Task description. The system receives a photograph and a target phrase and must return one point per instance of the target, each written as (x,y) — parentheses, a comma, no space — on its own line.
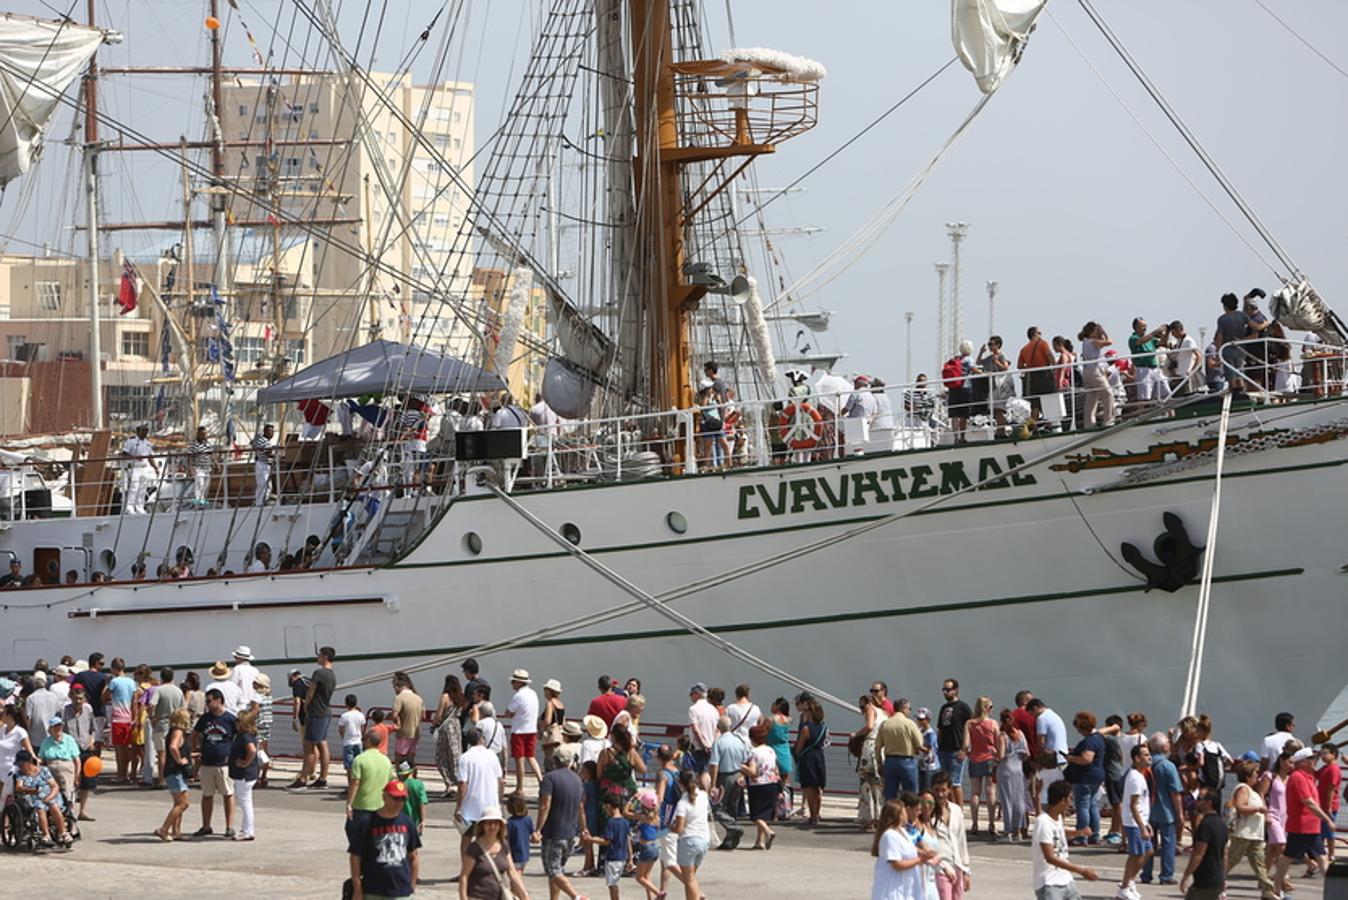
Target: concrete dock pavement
(300,854)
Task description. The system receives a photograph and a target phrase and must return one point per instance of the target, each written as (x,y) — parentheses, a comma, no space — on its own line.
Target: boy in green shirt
(416,794)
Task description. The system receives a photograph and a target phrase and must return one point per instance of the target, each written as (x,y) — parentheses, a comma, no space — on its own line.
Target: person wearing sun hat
(244,675)
(416,794)
(487,866)
(383,848)
(595,740)
(221,681)
(551,718)
(1303,816)
(523,712)
(59,753)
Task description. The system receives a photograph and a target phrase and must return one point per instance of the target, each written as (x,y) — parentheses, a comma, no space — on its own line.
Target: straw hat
(552,684)
(243,651)
(595,727)
(521,675)
(264,680)
(572,729)
(220,669)
(491,814)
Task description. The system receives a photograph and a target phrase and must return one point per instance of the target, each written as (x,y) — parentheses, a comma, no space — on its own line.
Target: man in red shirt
(609,703)
(1304,816)
(1328,779)
(1025,721)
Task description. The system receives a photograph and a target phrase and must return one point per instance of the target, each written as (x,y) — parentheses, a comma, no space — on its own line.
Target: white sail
(989,36)
(38,61)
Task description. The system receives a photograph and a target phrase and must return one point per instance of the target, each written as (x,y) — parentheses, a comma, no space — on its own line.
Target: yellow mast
(722,127)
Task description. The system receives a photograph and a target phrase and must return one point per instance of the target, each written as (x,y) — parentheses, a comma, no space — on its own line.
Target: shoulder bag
(505,889)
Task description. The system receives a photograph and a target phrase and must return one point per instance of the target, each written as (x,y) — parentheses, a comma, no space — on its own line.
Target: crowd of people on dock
(654,811)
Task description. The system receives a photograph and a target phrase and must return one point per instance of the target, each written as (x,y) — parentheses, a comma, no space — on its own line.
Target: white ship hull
(1006,587)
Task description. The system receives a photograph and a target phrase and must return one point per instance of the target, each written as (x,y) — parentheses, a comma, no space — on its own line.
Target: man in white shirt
(40,706)
(1137,832)
(60,686)
(1186,361)
(1051,870)
(523,711)
(702,718)
(243,676)
(481,781)
(1283,726)
(261,558)
(1049,728)
(140,470)
(233,697)
(744,714)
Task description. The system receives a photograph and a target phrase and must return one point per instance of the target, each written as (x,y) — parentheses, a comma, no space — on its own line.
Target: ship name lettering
(873,488)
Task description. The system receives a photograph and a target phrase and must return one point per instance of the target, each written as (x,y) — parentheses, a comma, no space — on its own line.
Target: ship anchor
(1178,557)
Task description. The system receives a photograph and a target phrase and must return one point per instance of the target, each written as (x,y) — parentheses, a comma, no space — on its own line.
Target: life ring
(802,426)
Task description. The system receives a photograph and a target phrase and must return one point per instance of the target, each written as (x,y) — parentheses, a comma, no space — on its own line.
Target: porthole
(472,542)
(676,522)
(571,533)
(107,561)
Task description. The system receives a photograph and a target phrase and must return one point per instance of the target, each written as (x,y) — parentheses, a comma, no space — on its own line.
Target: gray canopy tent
(382,367)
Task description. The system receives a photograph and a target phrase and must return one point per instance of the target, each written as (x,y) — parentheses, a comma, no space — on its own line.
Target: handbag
(856,744)
(505,890)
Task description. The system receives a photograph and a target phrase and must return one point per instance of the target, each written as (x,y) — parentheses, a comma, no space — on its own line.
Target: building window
(293,166)
(313,109)
(261,118)
(295,351)
(15,342)
(440,140)
(243,111)
(250,349)
(130,402)
(313,134)
(49,295)
(136,343)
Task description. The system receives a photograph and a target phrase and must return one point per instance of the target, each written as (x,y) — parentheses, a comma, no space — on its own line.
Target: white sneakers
(1127,893)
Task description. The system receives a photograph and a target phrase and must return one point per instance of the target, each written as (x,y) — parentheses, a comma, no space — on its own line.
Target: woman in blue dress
(809,752)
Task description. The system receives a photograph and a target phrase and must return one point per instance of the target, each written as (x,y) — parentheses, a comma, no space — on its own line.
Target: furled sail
(990,35)
(38,61)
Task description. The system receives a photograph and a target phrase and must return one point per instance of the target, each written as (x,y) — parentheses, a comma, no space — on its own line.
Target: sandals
(163,836)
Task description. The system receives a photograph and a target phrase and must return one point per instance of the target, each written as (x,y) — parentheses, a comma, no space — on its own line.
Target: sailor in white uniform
(140,468)
(201,459)
(264,452)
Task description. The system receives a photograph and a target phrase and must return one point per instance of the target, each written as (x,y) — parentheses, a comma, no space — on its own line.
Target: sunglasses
(928,802)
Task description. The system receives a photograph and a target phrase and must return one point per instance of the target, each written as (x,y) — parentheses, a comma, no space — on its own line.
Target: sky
(1071,209)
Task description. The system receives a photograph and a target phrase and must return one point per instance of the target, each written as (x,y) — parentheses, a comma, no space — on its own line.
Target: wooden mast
(667,298)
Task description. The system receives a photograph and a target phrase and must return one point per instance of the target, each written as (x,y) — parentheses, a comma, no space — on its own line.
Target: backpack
(952,373)
(1211,773)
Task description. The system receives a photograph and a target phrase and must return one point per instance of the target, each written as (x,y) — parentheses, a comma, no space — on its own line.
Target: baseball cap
(922,713)
(396,789)
(54,721)
(1304,753)
(404,768)
(698,686)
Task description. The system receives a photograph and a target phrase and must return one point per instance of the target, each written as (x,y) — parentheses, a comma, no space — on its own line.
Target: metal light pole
(942,314)
(992,296)
(908,348)
(957,231)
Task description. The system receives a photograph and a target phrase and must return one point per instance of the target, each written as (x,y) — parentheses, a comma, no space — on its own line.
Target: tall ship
(636,466)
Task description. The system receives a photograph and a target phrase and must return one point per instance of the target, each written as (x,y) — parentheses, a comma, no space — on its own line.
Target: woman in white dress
(897,876)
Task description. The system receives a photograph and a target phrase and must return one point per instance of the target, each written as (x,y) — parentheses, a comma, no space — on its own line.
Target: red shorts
(121,734)
(523,746)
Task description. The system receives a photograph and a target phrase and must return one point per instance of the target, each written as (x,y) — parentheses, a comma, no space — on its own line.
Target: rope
(758,208)
(1309,46)
(878,224)
(1189,137)
(663,609)
(1157,144)
(1190,704)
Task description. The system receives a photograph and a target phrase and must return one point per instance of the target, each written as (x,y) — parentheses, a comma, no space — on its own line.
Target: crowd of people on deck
(1097,379)
(528,778)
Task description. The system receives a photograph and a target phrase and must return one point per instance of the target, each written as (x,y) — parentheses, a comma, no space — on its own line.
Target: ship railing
(1013,403)
(91,486)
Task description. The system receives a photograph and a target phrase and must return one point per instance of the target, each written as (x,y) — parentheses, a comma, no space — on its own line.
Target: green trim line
(803,622)
(851,520)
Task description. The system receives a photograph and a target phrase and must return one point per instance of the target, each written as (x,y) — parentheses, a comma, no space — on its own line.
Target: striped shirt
(264,716)
(264,448)
(202,454)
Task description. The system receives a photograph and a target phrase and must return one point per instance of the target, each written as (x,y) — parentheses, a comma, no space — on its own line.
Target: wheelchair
(20,829)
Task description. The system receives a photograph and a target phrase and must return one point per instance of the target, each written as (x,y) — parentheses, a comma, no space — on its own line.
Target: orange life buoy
(802,427)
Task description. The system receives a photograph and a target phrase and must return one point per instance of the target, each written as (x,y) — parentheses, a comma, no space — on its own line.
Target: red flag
(273,221)
(126,293)
(315,411)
